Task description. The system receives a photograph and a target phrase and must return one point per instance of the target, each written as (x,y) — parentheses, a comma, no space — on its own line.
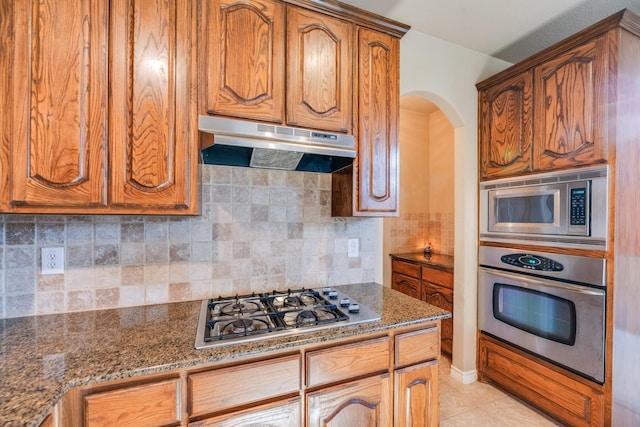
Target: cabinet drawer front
(406,268)
(215,390)
(147,404)
(417,346)
(281,414)
(405,284)
(347,361)
(439,277)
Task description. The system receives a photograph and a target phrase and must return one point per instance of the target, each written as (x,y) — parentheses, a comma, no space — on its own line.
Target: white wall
(446,74)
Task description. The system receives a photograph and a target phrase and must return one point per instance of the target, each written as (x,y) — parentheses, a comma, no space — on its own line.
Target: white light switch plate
(353,248)
(52,261)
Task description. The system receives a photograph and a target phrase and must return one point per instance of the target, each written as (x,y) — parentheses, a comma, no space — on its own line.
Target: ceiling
(510,30)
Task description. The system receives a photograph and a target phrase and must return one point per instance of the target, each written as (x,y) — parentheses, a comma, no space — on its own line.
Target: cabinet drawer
(218,389)
(417,346)
(406,268)
(439,277)
(146,404)
(281,413)
(405,284)
(347,361)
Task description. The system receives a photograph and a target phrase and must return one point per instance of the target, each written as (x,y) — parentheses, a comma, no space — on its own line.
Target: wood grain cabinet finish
(244,63)
(319,71)
(376,166)
(366,402)
(506,127)
(55,72)
(278,414)
(570,95)
(99,107)
(442,297)
(416,347)
(153,404)
(417,398)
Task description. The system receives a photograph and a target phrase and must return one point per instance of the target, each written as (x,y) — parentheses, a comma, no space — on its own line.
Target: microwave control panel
(578,208)
(532,262)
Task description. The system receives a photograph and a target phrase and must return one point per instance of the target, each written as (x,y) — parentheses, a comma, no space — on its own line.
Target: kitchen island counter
(45,356)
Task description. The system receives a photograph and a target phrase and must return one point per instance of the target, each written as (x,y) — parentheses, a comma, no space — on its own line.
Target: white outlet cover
(52,261)
(353,248)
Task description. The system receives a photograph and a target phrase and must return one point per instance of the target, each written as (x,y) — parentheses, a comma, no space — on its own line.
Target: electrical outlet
(353,248)
(52,261)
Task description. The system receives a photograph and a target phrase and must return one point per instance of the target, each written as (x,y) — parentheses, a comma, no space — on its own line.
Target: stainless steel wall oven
(548,304)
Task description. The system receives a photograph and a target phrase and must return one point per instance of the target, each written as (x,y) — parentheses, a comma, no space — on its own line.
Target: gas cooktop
(252,317)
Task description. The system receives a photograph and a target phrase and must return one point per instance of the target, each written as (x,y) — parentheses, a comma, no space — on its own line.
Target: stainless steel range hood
(259,145)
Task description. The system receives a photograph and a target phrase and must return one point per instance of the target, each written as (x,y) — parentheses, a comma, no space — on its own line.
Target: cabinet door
(570,108)
(278,414)
(366,402)
(405,284)
(506,128)
(58,104)
(319,71)
(153,161)
(416,392)
(441,297)
(244,58)
(378,93)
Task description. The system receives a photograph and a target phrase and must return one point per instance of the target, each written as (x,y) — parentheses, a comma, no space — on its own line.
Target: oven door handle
(534,282)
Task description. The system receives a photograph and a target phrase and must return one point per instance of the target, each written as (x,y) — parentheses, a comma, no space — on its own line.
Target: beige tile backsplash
(258,230)
(411,232)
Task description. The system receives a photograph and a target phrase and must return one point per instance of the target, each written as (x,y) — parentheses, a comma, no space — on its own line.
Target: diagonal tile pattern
(478,404)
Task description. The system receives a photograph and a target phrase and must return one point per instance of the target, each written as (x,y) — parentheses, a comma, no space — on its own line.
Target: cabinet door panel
(59,81)
(506,128)
(378,56)
(441,297)
(405,284)
(366,402)
(319,70)
(417,400)
(278,414)
(571,94)
(245,54)
(152,135)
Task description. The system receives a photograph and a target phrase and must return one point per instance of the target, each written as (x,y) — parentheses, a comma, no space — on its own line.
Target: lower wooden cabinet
(442,297)
(381,379)
(564,396)
(416,391)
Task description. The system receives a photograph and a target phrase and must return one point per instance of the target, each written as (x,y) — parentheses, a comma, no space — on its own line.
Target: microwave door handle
(531,283)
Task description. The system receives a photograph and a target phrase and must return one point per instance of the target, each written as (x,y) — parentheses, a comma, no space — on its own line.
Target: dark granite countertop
(442,262)
(42,357)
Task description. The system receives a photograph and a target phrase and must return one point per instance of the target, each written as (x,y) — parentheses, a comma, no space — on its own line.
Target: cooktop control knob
(333,294)
(354,308)
(344,302)
(326,290)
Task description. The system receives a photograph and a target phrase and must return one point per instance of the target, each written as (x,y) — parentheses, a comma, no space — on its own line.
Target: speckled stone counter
(439,261)
(42,357)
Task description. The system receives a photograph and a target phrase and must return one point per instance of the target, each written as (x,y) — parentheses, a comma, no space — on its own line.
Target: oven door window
(538,313)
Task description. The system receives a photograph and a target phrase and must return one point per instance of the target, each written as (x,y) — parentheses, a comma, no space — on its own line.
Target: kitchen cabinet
(547,113)
(505,113)
(294,66)
(99,108)
(429,284)
(354,381)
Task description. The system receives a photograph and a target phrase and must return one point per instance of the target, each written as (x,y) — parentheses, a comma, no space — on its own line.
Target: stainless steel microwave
(567,208)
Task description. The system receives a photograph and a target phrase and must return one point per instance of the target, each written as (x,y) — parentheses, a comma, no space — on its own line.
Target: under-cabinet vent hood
(259,145)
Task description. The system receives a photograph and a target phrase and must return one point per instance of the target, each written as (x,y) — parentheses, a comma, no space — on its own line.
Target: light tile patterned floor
(478,404)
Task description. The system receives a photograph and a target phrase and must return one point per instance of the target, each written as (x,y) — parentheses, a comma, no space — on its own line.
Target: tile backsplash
(258,230)
(412,231)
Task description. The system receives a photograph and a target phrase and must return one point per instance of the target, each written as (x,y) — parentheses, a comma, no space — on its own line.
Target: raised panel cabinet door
(319,71)
(58,104)
(153,134)
(506,128)
(366,402)
(570,108)
(417,396)
(244,58)
(277,414)
(378,94)
(441,297)
(405,284)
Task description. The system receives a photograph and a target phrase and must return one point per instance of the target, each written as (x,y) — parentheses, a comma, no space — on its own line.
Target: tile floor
(478,404)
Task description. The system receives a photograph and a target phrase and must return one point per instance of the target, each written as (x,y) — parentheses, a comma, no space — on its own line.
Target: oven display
(532,262)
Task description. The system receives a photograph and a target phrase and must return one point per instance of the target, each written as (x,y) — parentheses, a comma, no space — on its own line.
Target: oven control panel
(532,262)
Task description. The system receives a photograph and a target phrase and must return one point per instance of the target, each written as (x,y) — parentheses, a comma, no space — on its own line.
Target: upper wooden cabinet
(505,127)
(548,112)
(570,108)
(319,71)
(248,44)
(100,108)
